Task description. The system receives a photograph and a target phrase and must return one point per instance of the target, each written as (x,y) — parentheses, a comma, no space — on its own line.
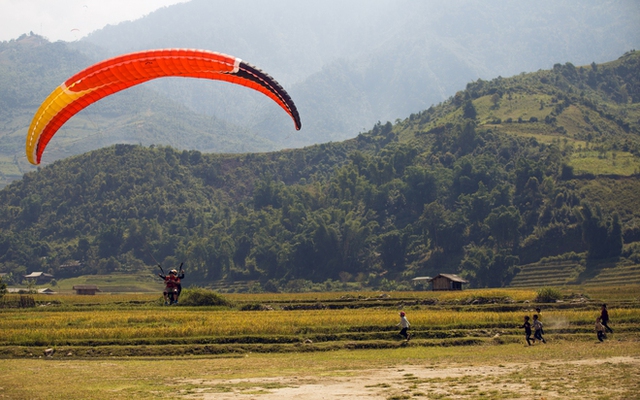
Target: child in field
(537,327)
(540,316)
(600,330)
(404,324)
(527,329)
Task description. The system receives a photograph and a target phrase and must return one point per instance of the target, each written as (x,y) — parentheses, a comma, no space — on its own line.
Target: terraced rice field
(138,325)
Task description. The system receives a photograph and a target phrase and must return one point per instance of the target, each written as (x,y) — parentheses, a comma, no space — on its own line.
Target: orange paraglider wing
(122,72)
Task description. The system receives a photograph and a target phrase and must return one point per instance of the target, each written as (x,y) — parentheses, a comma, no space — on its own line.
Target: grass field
(465,345)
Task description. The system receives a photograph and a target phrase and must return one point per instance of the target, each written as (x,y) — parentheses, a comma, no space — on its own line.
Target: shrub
(548,295)
(202,297)
(3,288)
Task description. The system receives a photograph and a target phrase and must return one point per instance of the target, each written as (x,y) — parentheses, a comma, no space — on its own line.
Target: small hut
(86,289)
(447,282)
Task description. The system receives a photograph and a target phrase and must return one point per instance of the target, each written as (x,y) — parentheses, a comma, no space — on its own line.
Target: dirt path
(549,380)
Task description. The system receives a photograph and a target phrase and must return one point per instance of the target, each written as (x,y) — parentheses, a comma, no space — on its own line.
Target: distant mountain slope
(505,173)
(349,64)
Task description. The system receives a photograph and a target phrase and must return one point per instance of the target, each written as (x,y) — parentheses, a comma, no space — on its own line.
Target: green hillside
(505,174)
(114,283)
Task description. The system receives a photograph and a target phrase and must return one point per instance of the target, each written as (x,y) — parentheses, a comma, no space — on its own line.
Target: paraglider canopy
(122,72)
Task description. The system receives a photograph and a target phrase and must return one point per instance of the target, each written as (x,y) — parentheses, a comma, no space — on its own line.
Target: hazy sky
(69,20)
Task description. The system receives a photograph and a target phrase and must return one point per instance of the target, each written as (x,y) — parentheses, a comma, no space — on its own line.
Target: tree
(469,110)
(495,100)
(603,237)
(504,223)
(393,249)
(3,288)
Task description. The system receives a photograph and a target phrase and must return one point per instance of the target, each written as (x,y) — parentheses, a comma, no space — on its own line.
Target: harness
(171,281)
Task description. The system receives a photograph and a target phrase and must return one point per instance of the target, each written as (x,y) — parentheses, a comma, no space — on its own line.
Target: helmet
(173,271)
(402,313)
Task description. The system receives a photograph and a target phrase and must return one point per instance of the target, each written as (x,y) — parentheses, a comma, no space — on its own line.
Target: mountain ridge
(346,66)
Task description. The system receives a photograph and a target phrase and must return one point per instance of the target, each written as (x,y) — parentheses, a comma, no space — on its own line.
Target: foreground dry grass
(559,370)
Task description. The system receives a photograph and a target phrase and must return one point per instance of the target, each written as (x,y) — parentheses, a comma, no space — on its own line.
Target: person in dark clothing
(604,318)
(527,330)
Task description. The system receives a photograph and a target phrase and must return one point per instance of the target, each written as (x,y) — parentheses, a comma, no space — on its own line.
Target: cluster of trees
(396,202)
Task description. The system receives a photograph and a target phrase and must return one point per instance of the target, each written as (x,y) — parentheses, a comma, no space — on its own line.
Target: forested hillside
(505,173)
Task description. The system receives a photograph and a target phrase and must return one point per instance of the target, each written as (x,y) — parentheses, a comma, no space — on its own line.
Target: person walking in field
(604,318)
(527,329)
(537,328)
(404,324)
(600,330)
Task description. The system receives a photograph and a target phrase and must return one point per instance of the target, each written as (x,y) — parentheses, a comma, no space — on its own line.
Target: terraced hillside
(618,275)
(547,274)
(575,273)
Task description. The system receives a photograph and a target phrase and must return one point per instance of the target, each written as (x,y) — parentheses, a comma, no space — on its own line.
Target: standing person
(527,329)
(537,327)
(404,324)
(604,318)
(600,330)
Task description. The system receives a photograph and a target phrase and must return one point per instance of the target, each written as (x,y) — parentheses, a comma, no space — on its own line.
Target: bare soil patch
(588,378)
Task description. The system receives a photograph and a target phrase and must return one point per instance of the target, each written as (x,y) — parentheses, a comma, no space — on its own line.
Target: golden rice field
(50,327)
(131,319)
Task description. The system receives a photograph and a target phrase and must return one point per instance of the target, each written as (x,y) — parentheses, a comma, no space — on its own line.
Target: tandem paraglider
(115,74)
(172,285)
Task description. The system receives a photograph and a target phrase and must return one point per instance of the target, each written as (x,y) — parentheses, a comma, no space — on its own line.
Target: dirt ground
(589,378)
